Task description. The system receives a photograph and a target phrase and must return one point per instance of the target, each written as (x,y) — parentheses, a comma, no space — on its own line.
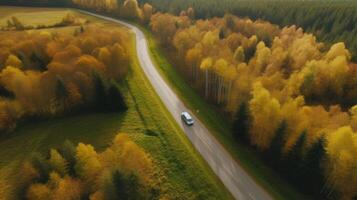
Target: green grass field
(11,10)
(220,127)
(184,174)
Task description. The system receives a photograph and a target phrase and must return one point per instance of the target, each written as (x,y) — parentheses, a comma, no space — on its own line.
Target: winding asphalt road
(237,181)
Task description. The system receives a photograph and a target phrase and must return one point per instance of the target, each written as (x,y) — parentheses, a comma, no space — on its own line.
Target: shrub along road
(233,176)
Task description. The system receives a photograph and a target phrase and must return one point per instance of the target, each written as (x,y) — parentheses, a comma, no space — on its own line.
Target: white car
(187,118)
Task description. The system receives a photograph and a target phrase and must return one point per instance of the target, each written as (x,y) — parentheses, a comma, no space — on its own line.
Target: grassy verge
(184,163)
(183,174)
(218,125)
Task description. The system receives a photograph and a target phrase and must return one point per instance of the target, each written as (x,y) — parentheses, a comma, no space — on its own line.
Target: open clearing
(32,16)
(184,175)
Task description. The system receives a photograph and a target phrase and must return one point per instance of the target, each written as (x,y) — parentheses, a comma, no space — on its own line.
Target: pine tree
(61,95)
(241,124)
(100,92)
(249,53)
(40,62)
(115,98)
(313,162)
(6,93)
(18,25)
(229,20)
(57,162)
(42,167)
(126,186)
(61,90)
(295,166)
(221,34)
(277,143)
(68,151)
(239,55)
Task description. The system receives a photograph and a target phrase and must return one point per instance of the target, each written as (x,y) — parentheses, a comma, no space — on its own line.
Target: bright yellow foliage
(14,61)
(57,162)
(94,172)
(45,59)
(38,192)
(88,165)
(342,164)
(266,115)
(338,49)
(68,188)
(206,63)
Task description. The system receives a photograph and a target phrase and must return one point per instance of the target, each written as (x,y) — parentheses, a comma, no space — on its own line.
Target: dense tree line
(45,74)
(121,171)
(285,91)
(44,3)
(331,21)
(128,9)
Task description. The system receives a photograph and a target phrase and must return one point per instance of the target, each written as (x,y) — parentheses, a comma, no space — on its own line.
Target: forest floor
(218,124)
(184,174)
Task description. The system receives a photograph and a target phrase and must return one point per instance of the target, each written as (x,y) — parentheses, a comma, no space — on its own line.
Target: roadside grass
(246,156)
(183,174)
(184,165)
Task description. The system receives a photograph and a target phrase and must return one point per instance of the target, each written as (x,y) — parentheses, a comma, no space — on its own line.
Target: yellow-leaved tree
(38,191)
(147,13)
(131,9)
(90,174)
(266,116)
(341,169)
(88,165)
(57,162)
(14,61)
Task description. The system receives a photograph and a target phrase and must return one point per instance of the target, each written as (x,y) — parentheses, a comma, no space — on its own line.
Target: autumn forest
(283,80)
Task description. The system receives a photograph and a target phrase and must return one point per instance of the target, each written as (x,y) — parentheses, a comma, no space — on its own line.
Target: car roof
(188,116)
